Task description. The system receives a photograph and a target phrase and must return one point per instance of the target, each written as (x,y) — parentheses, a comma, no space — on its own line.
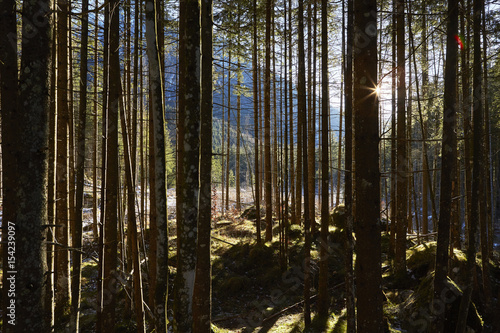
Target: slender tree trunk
(95,139)
(393,190)
(238,136)
(286,200)
(51,183)
(256,122)
(104,153)
(267,127)
(402,162)
(302,111)
(348,191)
(293,181)
(110,282)
(325,216)
(367,178)
(487,225)
(80,168)
(157,106)
(62,279)
(202,302)
(189,179)
(228,149)
(449,153)
(476,167)
(311,126)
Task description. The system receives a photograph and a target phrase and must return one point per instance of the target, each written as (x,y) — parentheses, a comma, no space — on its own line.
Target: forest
(250,166)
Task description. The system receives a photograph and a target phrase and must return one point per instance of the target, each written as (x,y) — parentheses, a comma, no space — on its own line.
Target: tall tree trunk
(138,303)
(62,278)
(51,183)
(476,167)
(293,181)
(393,189)
(238,136)
(157,106)
(110,282)
(302,111)
(27,266)
(8,107)
(189,185)
(256,121)
(486,216)
(325,216)
(449,153)
(367,177)
(267,127)
(202,303)
(311,126)
(104,153)
(80,168)
(228,148)
(348,191)
(286,178)
(402,162)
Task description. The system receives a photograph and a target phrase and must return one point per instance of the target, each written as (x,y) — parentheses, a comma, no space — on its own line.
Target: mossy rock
(421,259)
(295,231)
(250,213)
(261,255)
(235,284)
(338,217)
(418,311)
(270,277)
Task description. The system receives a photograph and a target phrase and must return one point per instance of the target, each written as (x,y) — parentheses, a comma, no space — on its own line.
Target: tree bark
(267,127)
(80,173)
(157,106)
(62,278)
(202,303)
(348,187)
(476,168)
(367,177)
(402,158)
(187,223)
(449,154)
(302,111)
(256,122)
(29,266)
(323,298)
(9,87)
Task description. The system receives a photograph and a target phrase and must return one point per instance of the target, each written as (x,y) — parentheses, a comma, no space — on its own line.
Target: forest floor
(253,291)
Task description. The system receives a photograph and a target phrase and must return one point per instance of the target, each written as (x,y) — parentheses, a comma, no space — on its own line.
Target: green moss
(235,284)
(338,217)
(295,231)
